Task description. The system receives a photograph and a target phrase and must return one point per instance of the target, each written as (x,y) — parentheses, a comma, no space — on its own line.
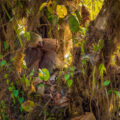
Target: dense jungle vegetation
(59,60)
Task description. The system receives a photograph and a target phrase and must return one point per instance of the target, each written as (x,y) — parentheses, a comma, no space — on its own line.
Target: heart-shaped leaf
(73,23)
(28,105)
(67,76)
(44,74)
(69,83)
(106,83)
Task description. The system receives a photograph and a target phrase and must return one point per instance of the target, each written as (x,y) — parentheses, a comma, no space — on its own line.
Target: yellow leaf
(77,44)
(61,11)
(50,7)
(50,3)
(32,88)
(28,105)
(42,6)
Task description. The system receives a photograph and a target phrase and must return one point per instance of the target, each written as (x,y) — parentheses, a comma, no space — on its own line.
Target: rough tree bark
(105,27)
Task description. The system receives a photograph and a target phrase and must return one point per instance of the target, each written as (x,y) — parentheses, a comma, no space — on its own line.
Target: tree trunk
(105,27)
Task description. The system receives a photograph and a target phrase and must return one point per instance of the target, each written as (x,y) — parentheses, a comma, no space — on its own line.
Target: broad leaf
(2,63)
(44,74)
(73,23)
(106,83)
(21,99)
(69,83)
(61,11)
(28,105)
(27,82)
(15,93)
(27,35)
(66,76)
(117,93)
(1,56)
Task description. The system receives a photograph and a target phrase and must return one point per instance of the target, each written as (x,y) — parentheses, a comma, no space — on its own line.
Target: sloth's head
(35,40)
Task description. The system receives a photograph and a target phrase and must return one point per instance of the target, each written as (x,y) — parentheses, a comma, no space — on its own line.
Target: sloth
(40,53)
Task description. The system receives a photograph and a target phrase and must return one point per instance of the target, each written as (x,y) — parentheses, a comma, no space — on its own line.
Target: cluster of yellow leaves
(50,5)
(94,7)
(61,11)
(77,44)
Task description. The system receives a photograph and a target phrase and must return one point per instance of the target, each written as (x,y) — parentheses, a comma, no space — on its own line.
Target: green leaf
(83,30)
(27,82)
(6,11)
(44,74)
(21,109)
(5,45)
(78,16)
(102,69)
(117,93)
(109,91)
(83,71)
(7,81)
(83,61)
(1,56)
(21,99)
(10,89)
(72,69)
(6,76)
(27,35)
(19,38)
(106,83)
(15,93)
(49,16)
(100,44)
(32,73)
(41,85)
(69,83)
(55,20)
(66,76)
(73,23)
(2,63)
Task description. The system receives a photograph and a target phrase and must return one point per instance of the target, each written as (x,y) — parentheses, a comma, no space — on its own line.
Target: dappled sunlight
(67,59)
(59,60)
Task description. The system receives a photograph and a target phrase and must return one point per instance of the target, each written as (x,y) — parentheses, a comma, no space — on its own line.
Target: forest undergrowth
(59,60)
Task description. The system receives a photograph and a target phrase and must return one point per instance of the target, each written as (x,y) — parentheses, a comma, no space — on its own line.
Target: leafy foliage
(61,11)
(2,63)
(28,105)
(74,25)
(55,14)
(102,69)
(106,83)
(69,77)
(44,74)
